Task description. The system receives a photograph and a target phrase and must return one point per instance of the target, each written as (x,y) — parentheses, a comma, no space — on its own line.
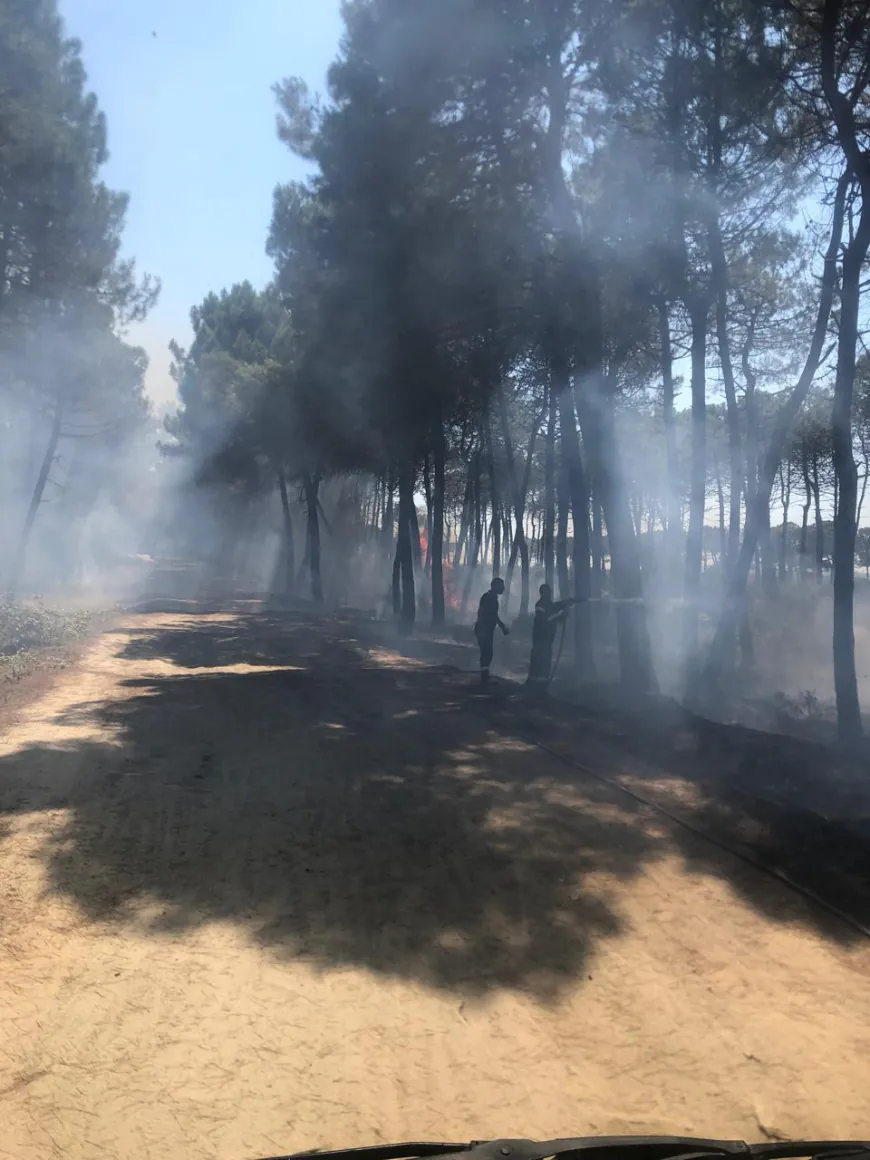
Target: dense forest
(573,292)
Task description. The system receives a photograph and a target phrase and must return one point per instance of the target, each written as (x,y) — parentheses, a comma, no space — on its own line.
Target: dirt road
(265,886)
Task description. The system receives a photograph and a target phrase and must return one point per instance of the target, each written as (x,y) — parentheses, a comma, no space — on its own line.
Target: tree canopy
(66,295)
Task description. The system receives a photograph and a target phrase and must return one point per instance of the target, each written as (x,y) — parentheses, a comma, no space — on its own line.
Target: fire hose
(672,602)
(559,653)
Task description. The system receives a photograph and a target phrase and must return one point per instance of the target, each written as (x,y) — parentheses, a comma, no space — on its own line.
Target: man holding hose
(549,614)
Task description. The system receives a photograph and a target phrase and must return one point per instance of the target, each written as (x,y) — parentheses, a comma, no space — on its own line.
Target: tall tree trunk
(414,528)
(507,533)
(373,508)
(513,556)
(846,473)
(464,521)
(578,487)
(637,670)
(525,572)
(496,504)
(427,492)
(564,511)
(808,502)
(520,491)
(673,515)
(289,547)
(719,268)
(396,581)
(785,503)
(735,605)
(698,486)
(407,523)
(723,531)
(597,549)
(717,108)
(550,490)
(17,570)
(820,523)
(311,485)
(768,558)
(389,516)
(475,533)
(436,536)
(304,566)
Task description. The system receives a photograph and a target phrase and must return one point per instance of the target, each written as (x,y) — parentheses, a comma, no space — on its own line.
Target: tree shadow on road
(794,807)
(342,810)
(346,806)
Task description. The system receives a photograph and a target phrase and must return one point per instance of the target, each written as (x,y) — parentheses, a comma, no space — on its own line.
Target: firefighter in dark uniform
(549,614)
(488,620)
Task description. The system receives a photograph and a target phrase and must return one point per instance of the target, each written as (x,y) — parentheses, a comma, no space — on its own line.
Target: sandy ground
(265,886)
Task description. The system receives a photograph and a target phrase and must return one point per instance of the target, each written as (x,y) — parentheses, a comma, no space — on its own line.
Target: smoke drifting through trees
(72,389)
(575,290)
(526,219)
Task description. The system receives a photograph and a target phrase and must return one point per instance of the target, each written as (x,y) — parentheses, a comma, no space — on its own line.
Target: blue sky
(192,135)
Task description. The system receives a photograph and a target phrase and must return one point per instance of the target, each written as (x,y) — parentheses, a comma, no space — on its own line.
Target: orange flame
(452,593)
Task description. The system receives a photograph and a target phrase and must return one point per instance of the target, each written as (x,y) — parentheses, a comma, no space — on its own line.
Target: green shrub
(25,627)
